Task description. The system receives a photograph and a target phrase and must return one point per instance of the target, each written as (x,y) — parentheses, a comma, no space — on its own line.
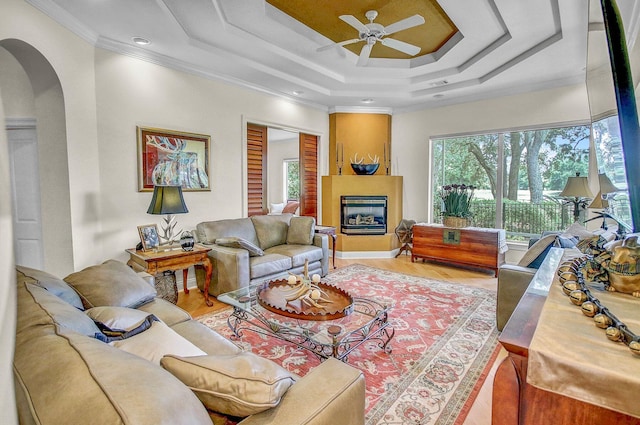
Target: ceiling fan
(372,33)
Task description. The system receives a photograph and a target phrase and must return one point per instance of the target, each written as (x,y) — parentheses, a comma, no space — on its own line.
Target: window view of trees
(518,174)
(292,179)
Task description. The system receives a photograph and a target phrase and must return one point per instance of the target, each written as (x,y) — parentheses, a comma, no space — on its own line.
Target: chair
(404,232)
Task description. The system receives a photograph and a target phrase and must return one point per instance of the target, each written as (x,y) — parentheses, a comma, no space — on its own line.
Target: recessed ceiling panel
(323,17)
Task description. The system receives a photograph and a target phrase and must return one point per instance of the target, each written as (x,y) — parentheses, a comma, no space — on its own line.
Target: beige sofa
(260,248)
(69,368)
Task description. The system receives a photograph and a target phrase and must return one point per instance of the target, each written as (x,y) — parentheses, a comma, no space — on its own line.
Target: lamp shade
(167,200)
(576,187)
(605,184)
(599,202)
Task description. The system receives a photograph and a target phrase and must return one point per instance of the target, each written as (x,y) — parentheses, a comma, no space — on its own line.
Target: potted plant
(456,204)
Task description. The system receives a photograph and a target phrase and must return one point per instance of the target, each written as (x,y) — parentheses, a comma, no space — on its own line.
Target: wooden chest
(472,247)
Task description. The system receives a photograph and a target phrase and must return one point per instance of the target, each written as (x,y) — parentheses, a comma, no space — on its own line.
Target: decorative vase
(450,221)
(186,241)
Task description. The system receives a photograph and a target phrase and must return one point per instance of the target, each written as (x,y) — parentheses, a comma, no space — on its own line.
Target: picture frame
(149,237)
(168,157)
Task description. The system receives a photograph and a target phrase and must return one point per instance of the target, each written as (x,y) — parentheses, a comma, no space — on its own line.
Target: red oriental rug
(444,345)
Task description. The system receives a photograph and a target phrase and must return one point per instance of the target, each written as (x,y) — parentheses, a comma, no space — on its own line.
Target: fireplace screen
(363,215)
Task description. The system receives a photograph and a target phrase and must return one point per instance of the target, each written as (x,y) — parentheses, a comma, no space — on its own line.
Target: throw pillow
(111,283)
(156,342)
(62,313)
(301,230)
(51,283)
(577,230)
(291,207)
(122,318)
(233,242)
(239,384)
(276,208)
(536,254)
(271,229)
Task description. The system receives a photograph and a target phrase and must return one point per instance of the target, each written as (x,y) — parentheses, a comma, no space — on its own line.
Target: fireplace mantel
(333,187)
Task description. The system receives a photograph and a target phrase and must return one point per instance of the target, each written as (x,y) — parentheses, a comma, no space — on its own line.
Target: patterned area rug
(445,342)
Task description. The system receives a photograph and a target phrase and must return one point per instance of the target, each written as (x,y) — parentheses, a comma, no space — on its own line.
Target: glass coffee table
(324,338)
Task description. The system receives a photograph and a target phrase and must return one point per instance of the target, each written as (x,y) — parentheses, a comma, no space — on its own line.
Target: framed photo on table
(173,158)
(149,237)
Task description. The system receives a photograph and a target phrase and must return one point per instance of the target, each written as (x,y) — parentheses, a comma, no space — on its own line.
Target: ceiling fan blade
(407,48)
(342,43)
(364,55)
(404,24)
(353,21)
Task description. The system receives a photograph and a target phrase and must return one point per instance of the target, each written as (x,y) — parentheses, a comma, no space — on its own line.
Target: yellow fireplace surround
(333,187)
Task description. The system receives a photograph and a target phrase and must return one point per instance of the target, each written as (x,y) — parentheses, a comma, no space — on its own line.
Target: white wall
(134,93)
(411,132)
(7,288)
(73,62)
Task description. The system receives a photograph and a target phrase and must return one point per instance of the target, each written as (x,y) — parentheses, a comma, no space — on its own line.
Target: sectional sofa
(98,347)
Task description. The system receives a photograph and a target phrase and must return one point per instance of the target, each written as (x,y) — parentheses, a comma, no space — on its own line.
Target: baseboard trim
(353,255)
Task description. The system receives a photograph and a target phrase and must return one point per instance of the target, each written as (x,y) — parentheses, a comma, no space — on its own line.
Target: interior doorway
(270,153)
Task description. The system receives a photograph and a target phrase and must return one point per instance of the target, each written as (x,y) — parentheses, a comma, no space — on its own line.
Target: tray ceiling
(470,50)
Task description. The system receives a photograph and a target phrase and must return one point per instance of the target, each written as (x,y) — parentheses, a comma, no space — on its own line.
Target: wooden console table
(155,263)
(515,402)
(469,246)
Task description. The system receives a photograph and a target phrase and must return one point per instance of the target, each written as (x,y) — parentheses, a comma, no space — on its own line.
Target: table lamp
(578,192)
(168,200)
(601,201)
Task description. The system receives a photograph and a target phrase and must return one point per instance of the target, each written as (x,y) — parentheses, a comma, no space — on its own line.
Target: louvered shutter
(256,169)
(309,175)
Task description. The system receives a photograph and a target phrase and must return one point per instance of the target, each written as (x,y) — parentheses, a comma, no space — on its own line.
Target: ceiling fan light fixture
(141,41)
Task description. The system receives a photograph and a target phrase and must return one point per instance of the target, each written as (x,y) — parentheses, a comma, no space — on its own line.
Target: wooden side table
(331,231)
(155,263)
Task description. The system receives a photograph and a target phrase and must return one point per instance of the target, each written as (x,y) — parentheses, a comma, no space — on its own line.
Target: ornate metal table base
(338,344)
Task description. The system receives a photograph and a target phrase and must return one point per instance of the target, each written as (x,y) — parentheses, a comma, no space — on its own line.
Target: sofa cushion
(209,231)
(62,313)
(234,242)
(206,339)
(166,311)
(72,379)
(269,264)
(111,283)
(157,341)
(298,253)
(51,283)
(271,229)
(301,230)
(239,385)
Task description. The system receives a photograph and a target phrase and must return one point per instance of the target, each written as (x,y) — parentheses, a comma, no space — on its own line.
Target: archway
(41,108)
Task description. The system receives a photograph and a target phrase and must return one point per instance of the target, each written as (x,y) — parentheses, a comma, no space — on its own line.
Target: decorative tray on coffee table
(336,302)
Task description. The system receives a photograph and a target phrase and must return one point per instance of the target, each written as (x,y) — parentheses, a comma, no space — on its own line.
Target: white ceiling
(503,47)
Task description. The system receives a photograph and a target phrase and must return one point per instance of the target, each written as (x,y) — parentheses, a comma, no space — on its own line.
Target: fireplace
(363,215)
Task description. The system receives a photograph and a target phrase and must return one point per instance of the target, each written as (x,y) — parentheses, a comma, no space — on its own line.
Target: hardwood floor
(480,413)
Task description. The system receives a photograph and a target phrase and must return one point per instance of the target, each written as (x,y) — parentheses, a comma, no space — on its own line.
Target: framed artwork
(149,236)
(167,157)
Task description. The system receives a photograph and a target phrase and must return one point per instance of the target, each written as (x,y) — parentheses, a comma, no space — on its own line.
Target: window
(608,144)
(518,175)
(291,170)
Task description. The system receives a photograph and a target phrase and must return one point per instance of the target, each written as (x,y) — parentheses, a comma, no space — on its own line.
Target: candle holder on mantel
(339,157)
(386,157)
